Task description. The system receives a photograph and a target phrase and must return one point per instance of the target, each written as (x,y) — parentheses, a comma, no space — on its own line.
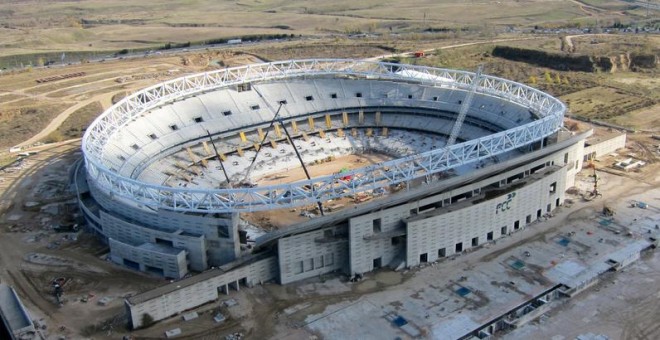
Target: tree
(548,77)
(532,80)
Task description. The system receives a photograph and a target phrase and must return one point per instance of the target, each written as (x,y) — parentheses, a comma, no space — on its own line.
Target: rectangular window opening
(333,95)
(516,225)
(309,98)
(226,113)
(164,242)
(358,94)
(298,268)
(423,258)
(135,146)
(255,107)
(244,87)
(198,119)
(489,236)
(376,225)
(329,233)
(282,102)
(329,259)
(152,136)
(442,252)
(459,247)
(503,231)
(174,127)
(475,241)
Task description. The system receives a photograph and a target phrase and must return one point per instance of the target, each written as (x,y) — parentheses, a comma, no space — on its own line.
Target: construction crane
(278,118)
(594,193)
(465,106)
(246,179)
(222,165)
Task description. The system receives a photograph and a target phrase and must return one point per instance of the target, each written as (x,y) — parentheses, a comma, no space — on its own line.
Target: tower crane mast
(465,106)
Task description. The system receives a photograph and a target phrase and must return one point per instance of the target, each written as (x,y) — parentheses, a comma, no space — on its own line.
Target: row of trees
(550,80)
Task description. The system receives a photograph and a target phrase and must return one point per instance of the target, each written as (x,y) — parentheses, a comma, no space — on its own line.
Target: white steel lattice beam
(549,111)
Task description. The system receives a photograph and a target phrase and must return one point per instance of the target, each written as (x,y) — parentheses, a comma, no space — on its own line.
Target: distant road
(402,54)
(59,119)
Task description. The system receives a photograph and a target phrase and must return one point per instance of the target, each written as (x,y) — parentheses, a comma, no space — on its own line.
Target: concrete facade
(208,240)
(403,233)
(313,253)
(185,294)
(422,229)
(150,257)
(483,218)
(594,149)
(17,318)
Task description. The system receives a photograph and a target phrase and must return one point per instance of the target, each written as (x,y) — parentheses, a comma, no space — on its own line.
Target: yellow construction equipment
(206,149)
(278,132)
(594,193)
(310,122)
(191,155)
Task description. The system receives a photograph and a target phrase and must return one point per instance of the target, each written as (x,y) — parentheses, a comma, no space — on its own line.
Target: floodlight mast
(467,102)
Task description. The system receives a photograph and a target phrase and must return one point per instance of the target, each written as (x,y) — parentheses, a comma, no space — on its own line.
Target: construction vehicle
(594,193)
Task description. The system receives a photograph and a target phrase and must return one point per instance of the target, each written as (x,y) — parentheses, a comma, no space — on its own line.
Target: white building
(157,165)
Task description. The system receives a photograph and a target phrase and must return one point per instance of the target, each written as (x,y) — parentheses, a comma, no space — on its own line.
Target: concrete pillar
(227,289)
(238,287)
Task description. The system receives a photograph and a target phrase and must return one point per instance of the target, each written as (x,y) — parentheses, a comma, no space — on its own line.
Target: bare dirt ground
(325,168)
(280,219)
(34,196)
